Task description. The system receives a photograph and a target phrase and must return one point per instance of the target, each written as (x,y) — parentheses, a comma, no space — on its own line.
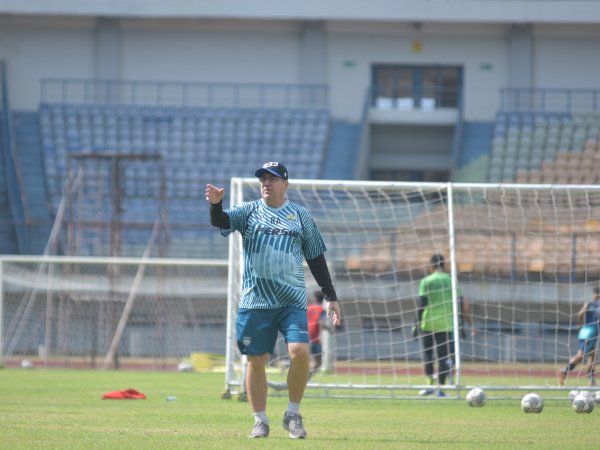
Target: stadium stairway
(39,219)
(8,239)
(474,157)
(340,160)
(476,140)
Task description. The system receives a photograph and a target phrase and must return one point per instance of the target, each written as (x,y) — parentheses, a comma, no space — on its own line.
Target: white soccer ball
(583,403)
(589,394)
(532,403)
(26,364)
(574,393)
(476,397)
(185,366)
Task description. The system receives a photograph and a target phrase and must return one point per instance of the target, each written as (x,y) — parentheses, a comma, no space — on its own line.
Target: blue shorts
(588,345)
(257,328)
(316,348)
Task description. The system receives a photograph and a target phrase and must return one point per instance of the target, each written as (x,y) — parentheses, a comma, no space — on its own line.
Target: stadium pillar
(312,59)
(107,43)
(520,56)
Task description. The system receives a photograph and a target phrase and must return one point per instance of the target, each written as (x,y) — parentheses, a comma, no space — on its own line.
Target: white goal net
(526,257)
(110,313)
(116,309)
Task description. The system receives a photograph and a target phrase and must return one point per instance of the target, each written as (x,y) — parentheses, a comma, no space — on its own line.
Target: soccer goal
(120,310)
(526,257)
(111,313)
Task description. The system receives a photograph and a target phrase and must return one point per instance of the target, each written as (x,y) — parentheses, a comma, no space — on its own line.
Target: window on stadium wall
(407,87)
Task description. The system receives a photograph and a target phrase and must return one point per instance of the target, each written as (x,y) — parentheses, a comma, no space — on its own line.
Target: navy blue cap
(274,168)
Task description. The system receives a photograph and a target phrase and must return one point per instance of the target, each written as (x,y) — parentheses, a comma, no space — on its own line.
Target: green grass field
(62,409)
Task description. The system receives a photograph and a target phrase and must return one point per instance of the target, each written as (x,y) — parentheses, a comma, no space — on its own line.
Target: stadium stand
(198,145)
(560,242)
(553,148)
(563,245)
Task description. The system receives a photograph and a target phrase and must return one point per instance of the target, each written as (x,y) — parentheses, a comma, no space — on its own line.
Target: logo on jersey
(291,216)
(276,231)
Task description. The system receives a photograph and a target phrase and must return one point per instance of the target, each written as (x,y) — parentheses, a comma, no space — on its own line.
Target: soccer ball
(589,394)
(532,403)
(572,395)
(26,364)
(476,397)
(583,404)
(185,366)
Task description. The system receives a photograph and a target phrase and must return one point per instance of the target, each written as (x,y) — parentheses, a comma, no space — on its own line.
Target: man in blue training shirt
(276,236)
(588,317)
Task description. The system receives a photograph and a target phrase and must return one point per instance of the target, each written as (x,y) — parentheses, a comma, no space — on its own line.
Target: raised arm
(581,314)
(214,196)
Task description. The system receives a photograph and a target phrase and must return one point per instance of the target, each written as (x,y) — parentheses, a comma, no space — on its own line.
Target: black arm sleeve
(422,306)
(218,217)
(318,268)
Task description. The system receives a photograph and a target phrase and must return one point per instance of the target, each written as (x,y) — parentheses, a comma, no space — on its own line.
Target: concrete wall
(230,52)
(288,52)
(567,57)
(36,48)
(353,48)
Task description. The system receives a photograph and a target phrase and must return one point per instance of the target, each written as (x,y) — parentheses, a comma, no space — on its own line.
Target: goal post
(525,257)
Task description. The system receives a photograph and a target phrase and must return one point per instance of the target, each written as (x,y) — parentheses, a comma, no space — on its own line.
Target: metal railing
(550,100)
(409,97)
(183,94)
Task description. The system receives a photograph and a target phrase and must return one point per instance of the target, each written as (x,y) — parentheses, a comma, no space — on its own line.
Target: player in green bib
(435,324)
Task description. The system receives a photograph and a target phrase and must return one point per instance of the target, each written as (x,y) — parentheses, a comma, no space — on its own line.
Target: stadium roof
(493,11)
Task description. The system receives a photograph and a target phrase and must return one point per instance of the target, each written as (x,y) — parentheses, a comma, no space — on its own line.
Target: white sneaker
(293,424)
(259,430)
(426,391)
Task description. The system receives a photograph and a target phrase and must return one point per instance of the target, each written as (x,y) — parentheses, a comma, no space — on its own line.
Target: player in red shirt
(316,320)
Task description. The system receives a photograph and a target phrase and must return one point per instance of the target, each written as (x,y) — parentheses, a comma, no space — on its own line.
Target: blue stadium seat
(199,145)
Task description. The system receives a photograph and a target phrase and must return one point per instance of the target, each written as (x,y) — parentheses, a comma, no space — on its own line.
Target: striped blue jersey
(275,241)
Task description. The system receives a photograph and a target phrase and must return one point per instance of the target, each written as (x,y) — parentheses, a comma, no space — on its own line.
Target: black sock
(570,367)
